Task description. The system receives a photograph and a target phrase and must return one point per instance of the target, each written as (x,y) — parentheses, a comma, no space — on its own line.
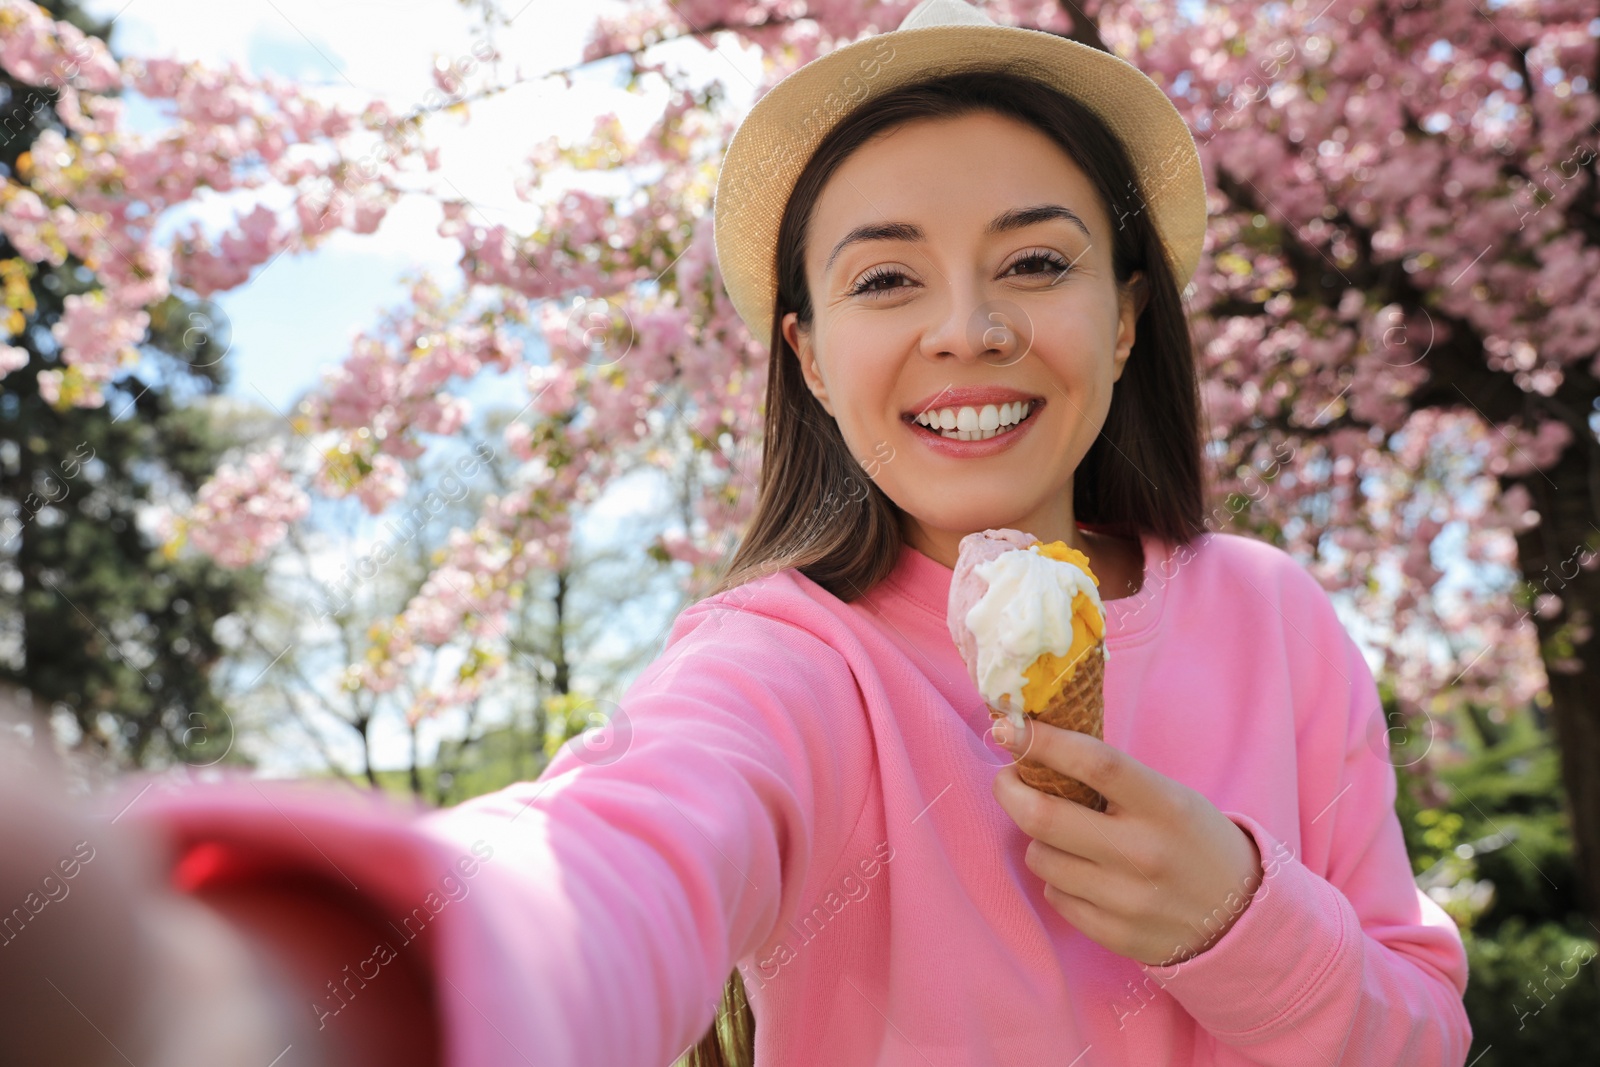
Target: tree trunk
(416,772)
(364,727)
(559,642)
(1551,555)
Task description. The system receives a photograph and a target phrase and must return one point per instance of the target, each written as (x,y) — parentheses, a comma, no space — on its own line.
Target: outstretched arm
(627,881)
(589,917)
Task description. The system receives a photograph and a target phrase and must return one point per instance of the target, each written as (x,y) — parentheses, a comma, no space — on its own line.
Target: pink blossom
(245,510)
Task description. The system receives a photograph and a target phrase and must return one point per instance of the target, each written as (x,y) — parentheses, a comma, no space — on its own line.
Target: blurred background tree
(113,642)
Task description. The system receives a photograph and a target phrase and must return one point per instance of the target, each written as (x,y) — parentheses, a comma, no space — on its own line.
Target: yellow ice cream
(1050,673)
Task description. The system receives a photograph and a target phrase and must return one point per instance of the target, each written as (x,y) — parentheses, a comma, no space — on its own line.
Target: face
(966,297)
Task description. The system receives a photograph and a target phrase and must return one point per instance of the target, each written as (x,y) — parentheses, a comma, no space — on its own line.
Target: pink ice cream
(967,588)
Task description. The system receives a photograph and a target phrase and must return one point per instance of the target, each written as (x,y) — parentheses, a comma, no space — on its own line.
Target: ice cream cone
(1079,706)
(1027,618)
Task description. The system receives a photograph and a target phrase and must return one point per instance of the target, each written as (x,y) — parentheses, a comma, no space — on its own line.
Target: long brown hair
(1143,474)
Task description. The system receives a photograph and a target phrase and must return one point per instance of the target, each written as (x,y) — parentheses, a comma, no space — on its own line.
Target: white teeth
(975,424)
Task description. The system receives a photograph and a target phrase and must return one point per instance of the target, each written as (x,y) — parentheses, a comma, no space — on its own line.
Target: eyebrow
(1014,219)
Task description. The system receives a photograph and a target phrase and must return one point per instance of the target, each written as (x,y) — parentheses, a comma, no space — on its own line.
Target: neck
(943,545)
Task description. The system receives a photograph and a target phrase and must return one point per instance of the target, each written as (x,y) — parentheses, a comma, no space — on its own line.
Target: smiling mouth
(976,423)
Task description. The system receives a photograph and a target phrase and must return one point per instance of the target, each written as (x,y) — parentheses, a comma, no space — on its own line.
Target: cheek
(1076,360)
(1075,344)
(862,379)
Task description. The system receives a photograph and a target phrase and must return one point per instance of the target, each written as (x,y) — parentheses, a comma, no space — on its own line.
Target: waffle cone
(1079,706)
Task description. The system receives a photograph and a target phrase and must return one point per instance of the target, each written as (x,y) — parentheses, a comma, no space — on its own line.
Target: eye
(1049,262)
(873,277)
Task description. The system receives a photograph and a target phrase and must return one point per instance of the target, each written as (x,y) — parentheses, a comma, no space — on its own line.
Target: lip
(953,449)
(969,396)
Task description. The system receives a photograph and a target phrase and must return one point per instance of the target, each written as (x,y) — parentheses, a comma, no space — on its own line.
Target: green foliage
(483,764)
(1533,996)
(503,754)
(1497,855)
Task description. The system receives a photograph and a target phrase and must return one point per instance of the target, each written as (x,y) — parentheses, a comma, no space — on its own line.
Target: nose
(949,334)
(972,327)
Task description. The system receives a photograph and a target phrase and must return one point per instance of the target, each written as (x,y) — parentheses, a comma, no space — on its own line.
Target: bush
(1489,840)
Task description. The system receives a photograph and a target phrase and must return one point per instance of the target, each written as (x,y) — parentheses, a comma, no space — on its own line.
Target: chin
(972,516)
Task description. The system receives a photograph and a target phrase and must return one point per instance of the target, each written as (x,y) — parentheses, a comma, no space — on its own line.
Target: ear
(800,341)
(1132,296)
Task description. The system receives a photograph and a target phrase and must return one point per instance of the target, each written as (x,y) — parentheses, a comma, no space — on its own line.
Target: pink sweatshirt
(800,787)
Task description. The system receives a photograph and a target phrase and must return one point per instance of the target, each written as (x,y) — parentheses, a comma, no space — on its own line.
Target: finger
(1120,778)
(1060,823)
(1089,920)
(1105,839)
(1070,873)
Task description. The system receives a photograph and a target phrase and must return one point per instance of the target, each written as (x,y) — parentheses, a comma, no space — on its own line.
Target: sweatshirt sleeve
(1338,958)
(593,915)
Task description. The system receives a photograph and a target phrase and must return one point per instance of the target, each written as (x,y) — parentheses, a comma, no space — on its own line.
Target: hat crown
(944,13)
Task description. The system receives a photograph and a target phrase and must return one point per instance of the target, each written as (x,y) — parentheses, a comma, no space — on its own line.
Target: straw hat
(777,137)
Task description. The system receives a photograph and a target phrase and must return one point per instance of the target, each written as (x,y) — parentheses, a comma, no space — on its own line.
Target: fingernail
(1001,731)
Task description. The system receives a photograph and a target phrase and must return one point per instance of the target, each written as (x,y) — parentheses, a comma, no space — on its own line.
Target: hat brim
(784,127)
